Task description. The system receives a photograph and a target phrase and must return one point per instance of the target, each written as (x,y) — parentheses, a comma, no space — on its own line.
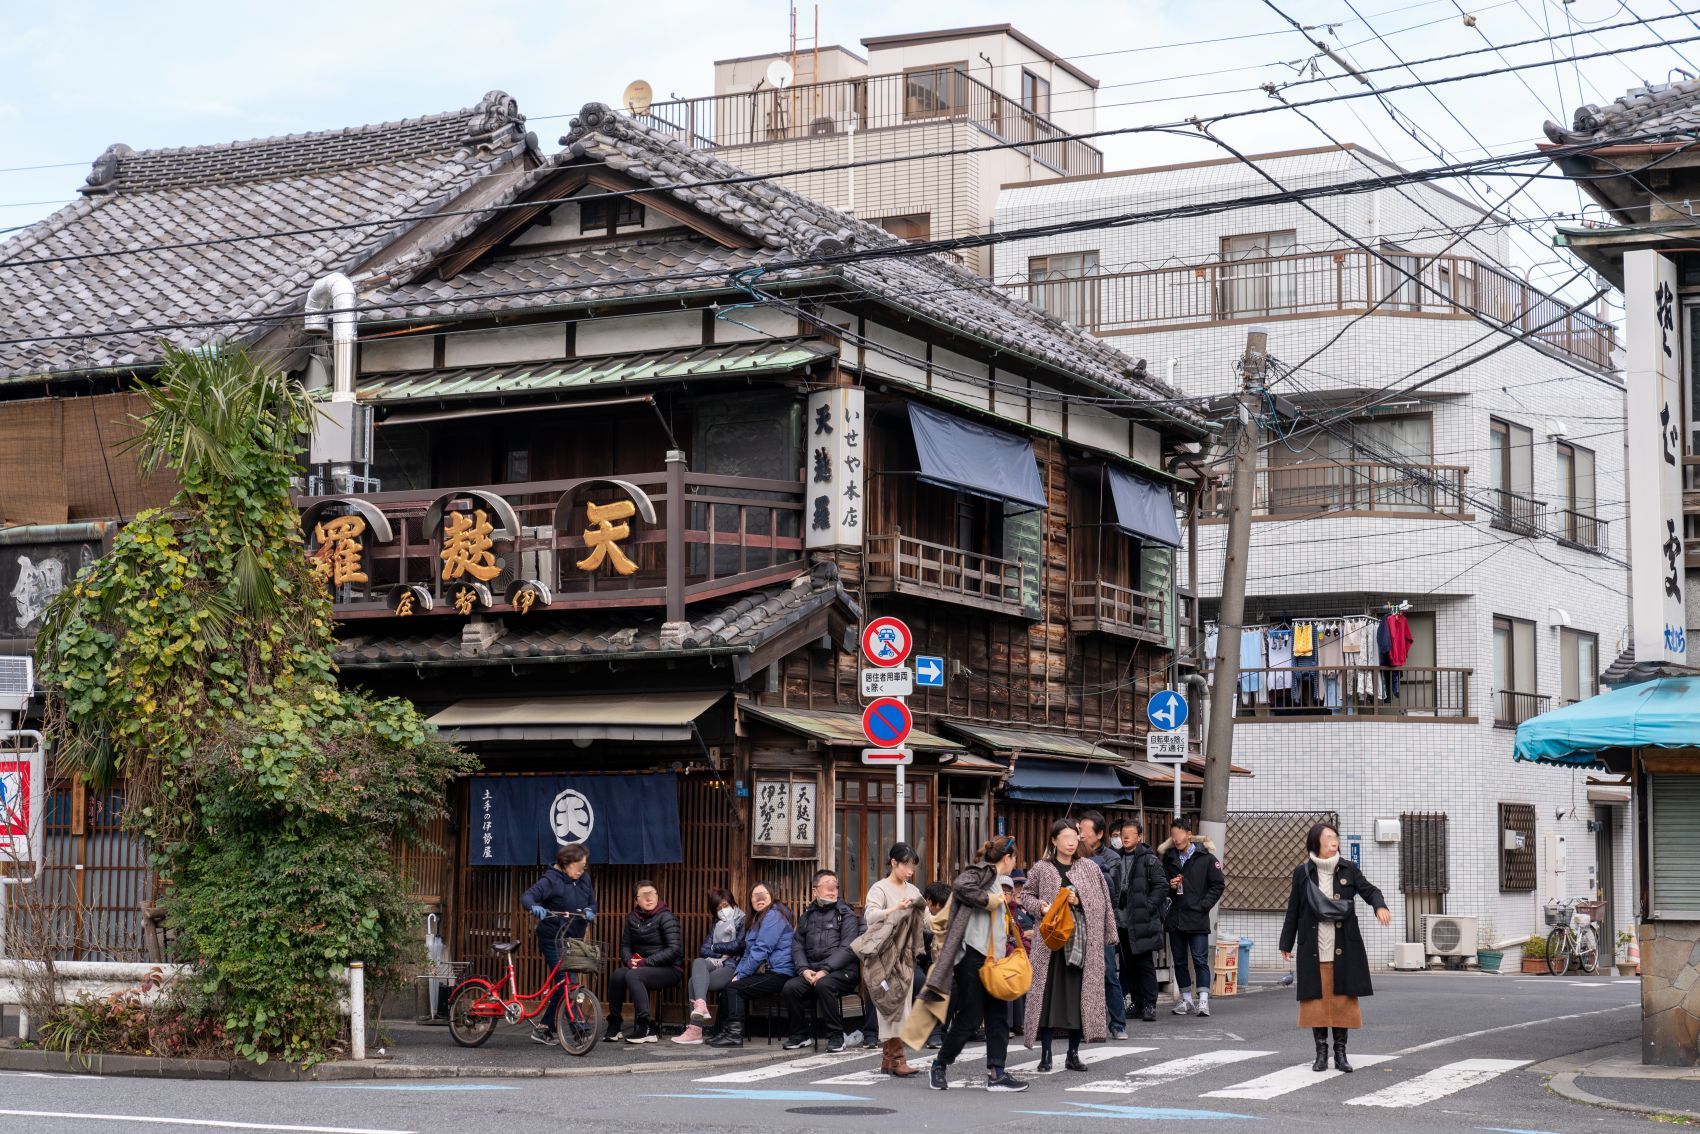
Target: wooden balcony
(1305,693)
(1347,488)
(1097,607)
(1511,708)
(667,539)
(900,564)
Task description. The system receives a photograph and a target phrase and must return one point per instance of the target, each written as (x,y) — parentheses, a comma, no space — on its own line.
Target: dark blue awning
(1065,781)
(1144,509)
(969,457)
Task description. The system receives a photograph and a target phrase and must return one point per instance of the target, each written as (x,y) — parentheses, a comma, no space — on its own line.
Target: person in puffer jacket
(1142,900)
(765,965)
(651,958)
(565,888)
(716,961)
(827,969)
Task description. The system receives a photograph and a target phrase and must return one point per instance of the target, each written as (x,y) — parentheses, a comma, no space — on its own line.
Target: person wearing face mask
(717,959)
(1195,885)
(1101,850)
(895,935)
(763,968)
(1322,922)
(651,950)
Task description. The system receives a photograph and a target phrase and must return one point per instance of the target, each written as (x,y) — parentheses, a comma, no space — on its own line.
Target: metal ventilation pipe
(330,307)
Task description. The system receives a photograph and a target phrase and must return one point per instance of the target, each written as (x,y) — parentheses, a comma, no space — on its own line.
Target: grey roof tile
(1655,109)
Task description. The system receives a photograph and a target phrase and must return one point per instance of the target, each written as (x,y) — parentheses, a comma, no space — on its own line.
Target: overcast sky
(77,76)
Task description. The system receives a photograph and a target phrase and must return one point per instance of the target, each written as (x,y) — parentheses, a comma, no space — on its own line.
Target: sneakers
(699,1013)
(543,1036)
(1148,1015)
(1184,1008)
(644,1031)
(1004,1081)
(796,1043)
(615,1033)
(1204,1006)
(938,1076)
(836,1044)
(691,1035)
(1119,1034)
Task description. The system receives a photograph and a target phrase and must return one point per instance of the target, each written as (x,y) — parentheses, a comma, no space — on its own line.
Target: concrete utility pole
(1219,742)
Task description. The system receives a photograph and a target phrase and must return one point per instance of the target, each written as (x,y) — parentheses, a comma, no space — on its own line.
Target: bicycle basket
(581,956)
(1558,915)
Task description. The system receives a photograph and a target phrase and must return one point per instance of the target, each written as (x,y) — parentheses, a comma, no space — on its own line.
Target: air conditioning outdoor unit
(1447,936)
(1408,956)
(17,683)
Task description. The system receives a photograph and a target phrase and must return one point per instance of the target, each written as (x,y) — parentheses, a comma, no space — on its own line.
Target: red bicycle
(477,1005)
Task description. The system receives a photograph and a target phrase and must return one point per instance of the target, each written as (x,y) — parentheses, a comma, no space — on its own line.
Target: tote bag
(1006,978)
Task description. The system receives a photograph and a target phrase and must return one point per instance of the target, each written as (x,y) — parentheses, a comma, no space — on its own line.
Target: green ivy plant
(193,666)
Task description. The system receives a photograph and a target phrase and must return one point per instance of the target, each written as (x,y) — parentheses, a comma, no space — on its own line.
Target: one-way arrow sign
(929,671)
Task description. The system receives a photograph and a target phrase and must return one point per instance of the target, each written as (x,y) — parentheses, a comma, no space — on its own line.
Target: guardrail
(901,564)
(1330,487)
(1307,693)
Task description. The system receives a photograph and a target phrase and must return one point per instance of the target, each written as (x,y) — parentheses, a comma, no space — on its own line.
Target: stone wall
(1670,993)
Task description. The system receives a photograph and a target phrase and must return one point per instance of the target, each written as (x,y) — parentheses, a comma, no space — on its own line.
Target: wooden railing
(1095,606)
(1514,512)
(1306,692)
(1321,283)
(900,564)
(711,536)
(1511,708)
(871,102)
(1348,488)
(1584,529)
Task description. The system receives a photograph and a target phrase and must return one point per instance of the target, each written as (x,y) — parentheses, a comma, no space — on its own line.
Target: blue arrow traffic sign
(929,671)
(1167,710)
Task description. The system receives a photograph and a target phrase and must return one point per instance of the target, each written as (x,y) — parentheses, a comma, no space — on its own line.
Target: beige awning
(591,716)
(838,729)
(973,764)
(1017,741)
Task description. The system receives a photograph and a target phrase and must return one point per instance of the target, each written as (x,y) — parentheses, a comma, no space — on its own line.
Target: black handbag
(1324,907)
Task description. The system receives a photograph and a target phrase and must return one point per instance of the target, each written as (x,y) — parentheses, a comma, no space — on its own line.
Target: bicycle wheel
(465,1028)
(1588,950)
(1559,945)
(578,1021)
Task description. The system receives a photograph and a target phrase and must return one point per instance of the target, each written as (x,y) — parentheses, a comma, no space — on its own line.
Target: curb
(156,1067)
(1564,1086)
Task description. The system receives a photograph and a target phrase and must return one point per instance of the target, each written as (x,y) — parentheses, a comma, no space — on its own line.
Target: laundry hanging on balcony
(1347,662)
(1144,510)
(966,456)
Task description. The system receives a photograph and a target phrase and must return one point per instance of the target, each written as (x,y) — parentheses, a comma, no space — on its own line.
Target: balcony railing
(669,538)
(1511,708)
(1406,693)
(1583,529)
(1095,607)
(1353,488)
(1316,284)
(872,102)
(1523,515)
(900,564)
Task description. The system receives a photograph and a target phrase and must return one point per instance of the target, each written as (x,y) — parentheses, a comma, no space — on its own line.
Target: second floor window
(1511,473)
(909,226)
(1035,94)
(1062,283)
(935,92)
(1578,665)
(1576,494)
(1255,279)
(608,215)
(1514,697)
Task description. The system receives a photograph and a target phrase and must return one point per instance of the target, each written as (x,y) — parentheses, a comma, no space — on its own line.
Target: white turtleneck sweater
(1325,870)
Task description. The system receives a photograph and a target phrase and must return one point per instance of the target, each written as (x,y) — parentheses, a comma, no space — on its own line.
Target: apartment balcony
(1097,607)
(1317,284)
(1346,488)
(903,565)
(661,539)
(1583,530)
(1519,514)
(872,102)
(1511,708)
(1407,693)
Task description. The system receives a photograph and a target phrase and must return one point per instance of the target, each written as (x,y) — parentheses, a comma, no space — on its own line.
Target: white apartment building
(1488,504)
(938,93)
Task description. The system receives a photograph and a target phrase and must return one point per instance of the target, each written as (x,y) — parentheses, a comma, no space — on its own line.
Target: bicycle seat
(505,946)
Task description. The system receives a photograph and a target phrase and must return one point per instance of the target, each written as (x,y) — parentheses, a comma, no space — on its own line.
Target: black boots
(1073,1062)
(1340,1051)
(731,1035)
(1321,1037)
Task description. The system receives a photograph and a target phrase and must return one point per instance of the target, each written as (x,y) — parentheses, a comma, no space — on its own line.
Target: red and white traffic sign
(894,756)
(887,723)
(887,642)
(22,786)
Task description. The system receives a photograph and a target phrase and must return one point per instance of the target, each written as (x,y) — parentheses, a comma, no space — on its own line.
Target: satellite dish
(638,97)
(779,74)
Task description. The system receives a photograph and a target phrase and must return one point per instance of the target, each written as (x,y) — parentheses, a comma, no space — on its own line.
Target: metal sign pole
(900,837)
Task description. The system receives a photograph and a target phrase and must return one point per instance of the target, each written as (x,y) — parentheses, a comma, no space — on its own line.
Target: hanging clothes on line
(1252,664)
(1304,640)
(1331,654)
(1280,660)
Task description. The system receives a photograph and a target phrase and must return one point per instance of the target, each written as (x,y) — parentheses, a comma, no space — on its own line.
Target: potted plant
(1488,959)
(1625,938)
(1535,954)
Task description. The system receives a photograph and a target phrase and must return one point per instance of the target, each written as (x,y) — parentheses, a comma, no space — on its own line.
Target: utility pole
(1219,742)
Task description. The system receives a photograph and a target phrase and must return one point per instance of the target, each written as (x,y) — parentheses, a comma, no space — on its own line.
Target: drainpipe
(330,307)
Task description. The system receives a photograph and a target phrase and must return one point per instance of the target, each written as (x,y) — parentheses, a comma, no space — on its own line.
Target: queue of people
(1066,950)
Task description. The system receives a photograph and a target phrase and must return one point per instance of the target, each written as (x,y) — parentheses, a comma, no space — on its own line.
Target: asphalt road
(1441,1052)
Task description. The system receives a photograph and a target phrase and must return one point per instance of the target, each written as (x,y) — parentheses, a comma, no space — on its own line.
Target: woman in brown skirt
(1322,922)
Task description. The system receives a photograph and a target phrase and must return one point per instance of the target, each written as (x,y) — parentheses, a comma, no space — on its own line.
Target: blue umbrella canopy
(1661,713)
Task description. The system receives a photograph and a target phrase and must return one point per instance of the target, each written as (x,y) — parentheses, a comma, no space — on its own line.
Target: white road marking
(1088,1056)
(153,1120)
(62,1076)
(1289,1079)
(1432,1044)
(789,1067)
(874,1075)
(1160,1073)
(1439,1083)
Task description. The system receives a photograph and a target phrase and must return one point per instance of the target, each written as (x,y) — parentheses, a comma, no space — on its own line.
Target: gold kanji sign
(404,604)
(337,558)
(466,547)
(603,536)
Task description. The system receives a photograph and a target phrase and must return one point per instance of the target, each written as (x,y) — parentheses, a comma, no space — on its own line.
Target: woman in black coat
(1333,968)
(651,958)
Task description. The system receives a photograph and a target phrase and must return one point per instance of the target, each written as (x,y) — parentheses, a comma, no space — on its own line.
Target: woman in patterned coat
(1080,1010)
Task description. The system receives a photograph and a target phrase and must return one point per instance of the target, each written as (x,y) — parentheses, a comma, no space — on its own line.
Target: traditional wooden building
(650,441)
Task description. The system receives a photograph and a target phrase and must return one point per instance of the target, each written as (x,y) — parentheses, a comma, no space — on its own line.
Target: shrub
(1535,948)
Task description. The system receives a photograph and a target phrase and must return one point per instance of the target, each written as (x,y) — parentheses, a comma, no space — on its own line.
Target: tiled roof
(740,626)
(789,226)
(1658,109)
(252,188)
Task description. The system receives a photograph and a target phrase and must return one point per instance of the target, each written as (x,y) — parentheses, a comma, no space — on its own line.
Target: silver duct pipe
(330,307)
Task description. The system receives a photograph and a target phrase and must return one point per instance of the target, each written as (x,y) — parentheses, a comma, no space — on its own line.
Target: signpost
(899,682)
(886,642)
(1166,744)
(886,722)
(897,757)
(929,671)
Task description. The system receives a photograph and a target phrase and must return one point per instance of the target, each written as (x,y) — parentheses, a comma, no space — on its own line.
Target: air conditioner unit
(17,684)
(1447,936)
(1408,956)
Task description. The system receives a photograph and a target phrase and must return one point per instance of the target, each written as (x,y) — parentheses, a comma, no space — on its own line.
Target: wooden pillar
(676,519)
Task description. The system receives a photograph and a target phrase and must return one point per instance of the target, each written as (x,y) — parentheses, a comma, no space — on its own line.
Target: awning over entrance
(1037,780)
(970,457)
(1016,741)
(610,716)
(1149,773)
(1144,509)
(1662,713)
(840,729)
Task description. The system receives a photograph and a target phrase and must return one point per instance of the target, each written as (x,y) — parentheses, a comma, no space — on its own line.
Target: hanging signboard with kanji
(835,472)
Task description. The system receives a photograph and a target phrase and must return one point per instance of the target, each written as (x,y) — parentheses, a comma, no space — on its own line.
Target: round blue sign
(1167,710)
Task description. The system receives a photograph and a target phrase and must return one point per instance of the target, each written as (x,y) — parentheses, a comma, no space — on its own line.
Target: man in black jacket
(1142,899)
(1195,884)
(826,968)
(1095,845)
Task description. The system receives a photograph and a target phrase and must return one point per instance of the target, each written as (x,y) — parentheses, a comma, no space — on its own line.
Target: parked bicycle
(477,1005)
(1573,938)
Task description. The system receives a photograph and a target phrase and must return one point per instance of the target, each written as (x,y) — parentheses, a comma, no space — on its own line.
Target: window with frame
(1066,285)
(1358,466)
(1256,280)
(935,92)
(1578,524)
(607,215)
(1511,473)
(1035,94)
(865,826)
(1514,698)
(1399,272)
(1578,665)
(1517,865)
(909,226)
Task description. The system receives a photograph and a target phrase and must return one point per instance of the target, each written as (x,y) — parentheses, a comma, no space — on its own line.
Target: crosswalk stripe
(1159,1073)
(870,1076)
(1439,1083)
(1289,1079)
(1088,1056)
(973,1055)
(789,1067)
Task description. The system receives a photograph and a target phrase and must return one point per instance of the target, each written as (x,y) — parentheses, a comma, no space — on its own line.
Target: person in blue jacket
(765,966)
(564,888)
